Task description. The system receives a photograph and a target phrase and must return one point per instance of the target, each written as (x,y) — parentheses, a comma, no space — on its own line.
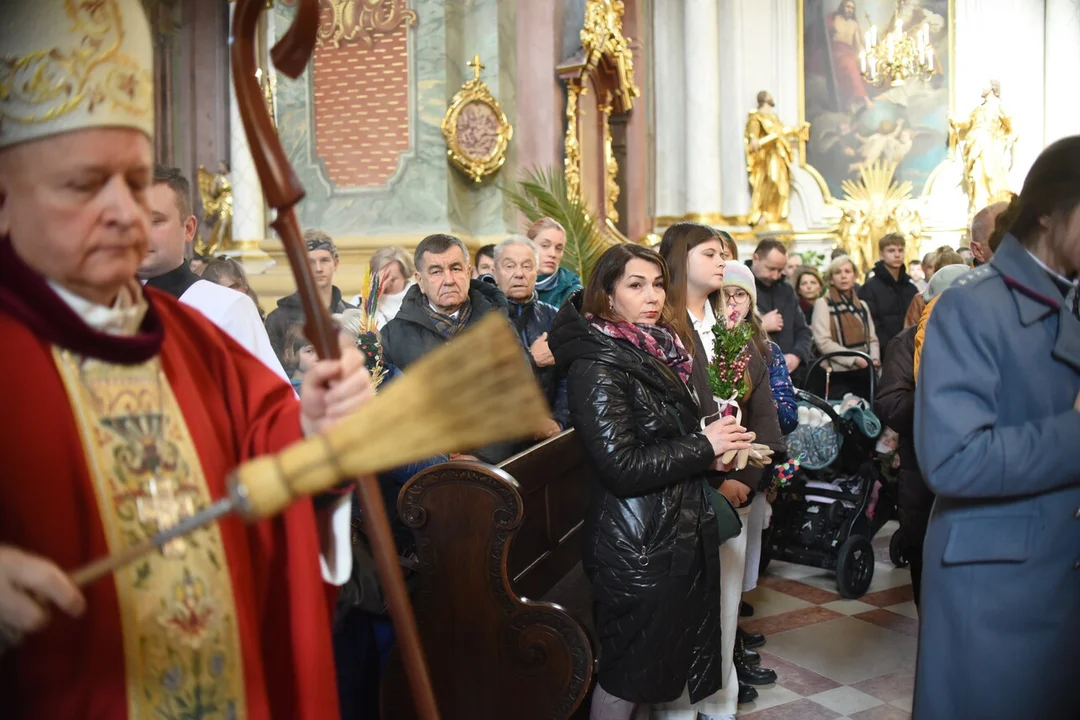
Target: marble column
(249,227)
(1062,67)
(701,109)
(540,104)
(668,86)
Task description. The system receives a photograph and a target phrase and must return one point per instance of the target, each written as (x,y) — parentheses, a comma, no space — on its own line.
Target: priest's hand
(333,389)
(28,584)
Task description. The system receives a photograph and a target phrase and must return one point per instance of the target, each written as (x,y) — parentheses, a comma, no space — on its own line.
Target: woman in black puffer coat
(650,540)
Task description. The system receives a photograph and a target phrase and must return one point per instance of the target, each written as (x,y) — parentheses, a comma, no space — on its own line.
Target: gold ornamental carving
(875,206)
(476,129)
(350,19)
(769,156)
(606,65)
(985,141)
(611,169)
(603,42)
(572,162)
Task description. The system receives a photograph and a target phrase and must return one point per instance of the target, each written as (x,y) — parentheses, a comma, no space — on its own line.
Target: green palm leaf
(544,193)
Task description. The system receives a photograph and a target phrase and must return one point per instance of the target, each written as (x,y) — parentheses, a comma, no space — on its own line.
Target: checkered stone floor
(835,658)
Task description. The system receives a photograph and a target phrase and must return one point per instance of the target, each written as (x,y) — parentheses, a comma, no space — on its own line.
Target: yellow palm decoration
(874,206)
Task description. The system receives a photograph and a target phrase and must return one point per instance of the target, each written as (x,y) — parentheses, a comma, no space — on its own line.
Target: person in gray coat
(997,432)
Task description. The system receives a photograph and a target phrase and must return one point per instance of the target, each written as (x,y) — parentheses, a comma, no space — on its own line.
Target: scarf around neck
(449,325)
(849,324)
(660,342)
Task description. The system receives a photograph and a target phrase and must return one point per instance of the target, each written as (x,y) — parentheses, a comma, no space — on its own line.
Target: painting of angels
(855,123)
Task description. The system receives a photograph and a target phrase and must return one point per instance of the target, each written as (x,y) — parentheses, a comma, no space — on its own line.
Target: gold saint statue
(768,161)
(215,190)
(986,141)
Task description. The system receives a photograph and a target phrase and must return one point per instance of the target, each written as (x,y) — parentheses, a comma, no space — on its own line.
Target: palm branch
(544,193)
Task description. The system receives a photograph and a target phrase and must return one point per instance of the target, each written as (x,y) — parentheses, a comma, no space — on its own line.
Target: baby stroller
(839,498)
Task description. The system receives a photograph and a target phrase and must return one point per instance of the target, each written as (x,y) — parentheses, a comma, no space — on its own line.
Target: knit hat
(74,65)
(738,275)
(942,279)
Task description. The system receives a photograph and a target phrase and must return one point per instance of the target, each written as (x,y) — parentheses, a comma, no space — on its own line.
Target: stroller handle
(822,405)
(849,353)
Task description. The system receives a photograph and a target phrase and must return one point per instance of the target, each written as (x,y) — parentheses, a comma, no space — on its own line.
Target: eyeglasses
(736,296)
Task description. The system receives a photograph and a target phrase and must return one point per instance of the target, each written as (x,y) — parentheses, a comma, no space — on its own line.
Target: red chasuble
(274,615)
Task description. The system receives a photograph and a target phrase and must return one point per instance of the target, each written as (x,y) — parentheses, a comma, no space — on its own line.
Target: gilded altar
(599,83)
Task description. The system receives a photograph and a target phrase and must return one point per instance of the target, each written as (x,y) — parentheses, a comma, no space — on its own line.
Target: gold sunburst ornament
(476,129)
(875,206)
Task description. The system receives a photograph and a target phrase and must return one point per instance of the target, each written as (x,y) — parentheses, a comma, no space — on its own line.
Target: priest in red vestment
(124,410)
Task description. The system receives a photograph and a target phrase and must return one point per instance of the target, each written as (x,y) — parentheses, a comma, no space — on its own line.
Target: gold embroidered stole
(181,641)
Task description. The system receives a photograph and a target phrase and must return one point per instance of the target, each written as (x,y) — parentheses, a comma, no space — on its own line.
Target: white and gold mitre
(74,64)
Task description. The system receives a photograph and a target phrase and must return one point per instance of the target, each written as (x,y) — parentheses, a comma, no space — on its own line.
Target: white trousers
(726,700)
(606,706)
(760,515)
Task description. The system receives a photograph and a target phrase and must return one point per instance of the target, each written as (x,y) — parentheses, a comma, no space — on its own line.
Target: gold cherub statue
(985,140)
(215,190)
(769,155)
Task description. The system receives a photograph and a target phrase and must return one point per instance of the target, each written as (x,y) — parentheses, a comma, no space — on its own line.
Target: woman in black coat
(650,540)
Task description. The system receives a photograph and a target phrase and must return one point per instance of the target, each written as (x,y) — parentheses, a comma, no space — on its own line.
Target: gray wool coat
(999,442)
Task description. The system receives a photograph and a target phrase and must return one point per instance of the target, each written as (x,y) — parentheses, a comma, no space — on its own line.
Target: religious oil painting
(854,122)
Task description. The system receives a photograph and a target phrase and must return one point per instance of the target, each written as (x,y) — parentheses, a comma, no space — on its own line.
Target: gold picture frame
(475,127)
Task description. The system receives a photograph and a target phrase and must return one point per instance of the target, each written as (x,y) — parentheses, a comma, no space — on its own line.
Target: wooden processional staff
(283,191)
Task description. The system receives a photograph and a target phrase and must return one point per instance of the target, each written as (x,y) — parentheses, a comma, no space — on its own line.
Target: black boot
(752,657)
(748,673)
(750,640)
(746,609)
(747,693)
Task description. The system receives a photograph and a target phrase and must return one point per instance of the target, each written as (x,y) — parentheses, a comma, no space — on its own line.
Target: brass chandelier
(897,56)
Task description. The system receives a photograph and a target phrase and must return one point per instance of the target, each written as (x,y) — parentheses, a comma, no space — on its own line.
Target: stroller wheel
(896,551)
(854,567)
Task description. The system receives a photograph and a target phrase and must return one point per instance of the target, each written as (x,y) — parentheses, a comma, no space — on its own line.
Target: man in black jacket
(889,289)
(516,263)
(444,301)
(781,315)
(323,257)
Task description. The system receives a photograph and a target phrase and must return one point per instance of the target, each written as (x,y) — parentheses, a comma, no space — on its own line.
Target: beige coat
(821,324)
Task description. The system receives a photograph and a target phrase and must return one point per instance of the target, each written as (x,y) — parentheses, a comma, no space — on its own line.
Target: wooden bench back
(491,654)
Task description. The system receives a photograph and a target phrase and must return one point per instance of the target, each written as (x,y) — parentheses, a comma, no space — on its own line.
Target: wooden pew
(555,480)
(484,538)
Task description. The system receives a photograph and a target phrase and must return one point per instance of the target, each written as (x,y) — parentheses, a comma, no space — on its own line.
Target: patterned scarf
(848,318)
(448,326)
(660,342)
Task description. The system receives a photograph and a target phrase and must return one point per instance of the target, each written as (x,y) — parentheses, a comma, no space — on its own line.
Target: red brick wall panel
(362,108)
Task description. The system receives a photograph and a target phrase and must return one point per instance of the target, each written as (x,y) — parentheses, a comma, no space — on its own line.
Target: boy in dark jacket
(889,289)
(323,256)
